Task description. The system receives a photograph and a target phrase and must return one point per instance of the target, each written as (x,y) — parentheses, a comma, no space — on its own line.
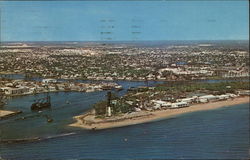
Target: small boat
(118,88)
(41,104)
(49,120)
(67,102)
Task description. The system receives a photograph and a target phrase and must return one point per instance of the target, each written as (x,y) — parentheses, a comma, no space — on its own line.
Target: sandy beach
(146,116)
(6,114)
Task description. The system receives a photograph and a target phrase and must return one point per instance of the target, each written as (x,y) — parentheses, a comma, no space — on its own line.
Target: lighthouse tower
(108,109)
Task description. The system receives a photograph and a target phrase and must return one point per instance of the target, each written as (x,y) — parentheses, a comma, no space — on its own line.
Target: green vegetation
(118,105)
(100,108)
(221,88)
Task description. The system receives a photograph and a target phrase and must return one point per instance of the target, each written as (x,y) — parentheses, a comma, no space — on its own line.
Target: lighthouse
(108,109)
(109,112)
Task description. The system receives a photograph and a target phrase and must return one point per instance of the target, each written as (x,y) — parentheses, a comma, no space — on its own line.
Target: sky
(119,20)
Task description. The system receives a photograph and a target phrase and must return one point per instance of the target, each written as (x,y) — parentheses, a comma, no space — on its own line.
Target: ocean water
(216,134)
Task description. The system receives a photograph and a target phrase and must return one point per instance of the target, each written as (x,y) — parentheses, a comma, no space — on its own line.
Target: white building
(15,91)
(179,105)
(161,103)
(49,80)
(157,106)
(223,97)
(244,93)
(188,100)
(231,95)
(207,98)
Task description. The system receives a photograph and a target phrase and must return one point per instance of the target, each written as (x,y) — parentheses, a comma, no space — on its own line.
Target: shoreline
(147,116)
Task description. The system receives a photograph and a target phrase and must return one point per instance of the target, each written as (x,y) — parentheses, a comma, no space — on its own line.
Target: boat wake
(60,135)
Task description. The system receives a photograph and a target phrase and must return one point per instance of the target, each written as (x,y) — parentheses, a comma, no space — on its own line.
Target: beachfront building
(188,100)
(157,106)
(244,93)
(207,98)
(179,105)
(231,95)
(159,103)
(223,97)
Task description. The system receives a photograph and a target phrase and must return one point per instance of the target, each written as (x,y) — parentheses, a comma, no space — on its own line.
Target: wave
(59,135)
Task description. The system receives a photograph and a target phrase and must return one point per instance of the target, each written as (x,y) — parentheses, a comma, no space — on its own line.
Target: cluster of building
(124,105)
(126,62)
(157,104)
(20,87)
(185,102)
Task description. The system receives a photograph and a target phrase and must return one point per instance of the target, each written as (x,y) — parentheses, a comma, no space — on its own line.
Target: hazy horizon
(131,41)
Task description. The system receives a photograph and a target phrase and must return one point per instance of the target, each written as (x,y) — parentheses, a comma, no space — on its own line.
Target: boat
(118,88)
(40,104)
(49,119)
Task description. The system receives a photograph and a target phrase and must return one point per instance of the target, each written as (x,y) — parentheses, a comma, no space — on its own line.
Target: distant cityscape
(126,62)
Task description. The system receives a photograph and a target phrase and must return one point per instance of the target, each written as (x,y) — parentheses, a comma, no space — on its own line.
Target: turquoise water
(214,134)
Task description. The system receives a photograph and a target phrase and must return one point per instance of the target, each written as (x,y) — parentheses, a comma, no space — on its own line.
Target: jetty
(6,114)
(10,141)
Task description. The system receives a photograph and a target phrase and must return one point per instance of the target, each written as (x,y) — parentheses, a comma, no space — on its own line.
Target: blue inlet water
(216,134)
